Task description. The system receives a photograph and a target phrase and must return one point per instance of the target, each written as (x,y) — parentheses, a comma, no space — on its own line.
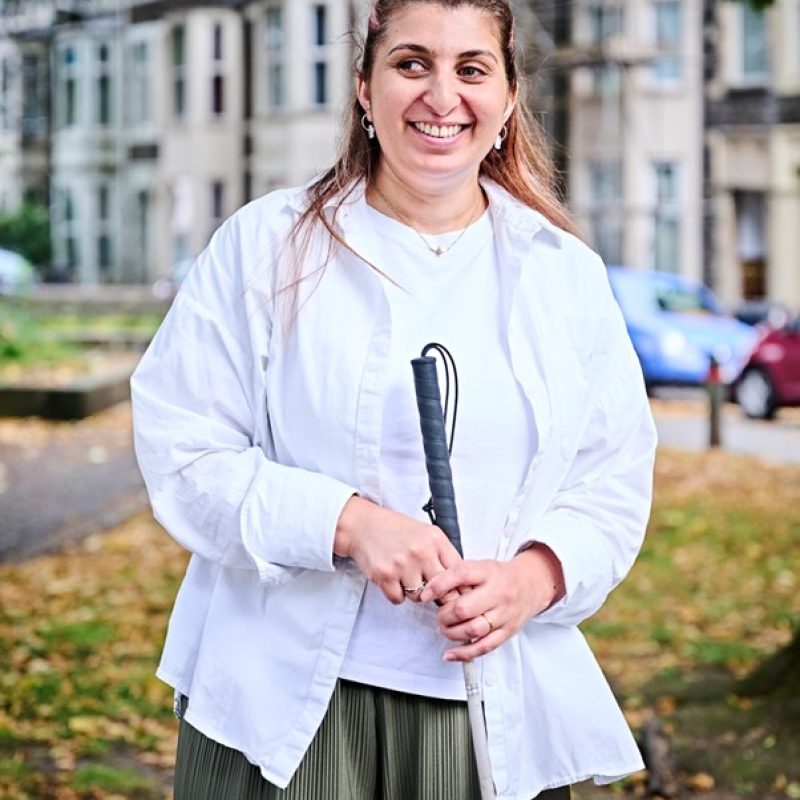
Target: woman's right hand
(392,550)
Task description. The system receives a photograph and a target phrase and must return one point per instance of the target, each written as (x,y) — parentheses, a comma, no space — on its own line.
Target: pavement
(60,481)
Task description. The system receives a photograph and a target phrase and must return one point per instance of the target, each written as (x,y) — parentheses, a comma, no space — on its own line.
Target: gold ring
(415,589)
(489,623)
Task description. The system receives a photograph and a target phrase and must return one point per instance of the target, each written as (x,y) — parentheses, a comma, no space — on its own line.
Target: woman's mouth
(439,131)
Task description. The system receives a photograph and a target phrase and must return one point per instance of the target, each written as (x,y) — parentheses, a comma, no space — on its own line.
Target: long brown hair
(523,167)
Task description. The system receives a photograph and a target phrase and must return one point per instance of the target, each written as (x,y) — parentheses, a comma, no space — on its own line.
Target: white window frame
(666,215)
(606,187)
(670,51)
(275,73)
(103,71)
(750,76)
(320,55)
(218,70)
(68,75)
(140,84)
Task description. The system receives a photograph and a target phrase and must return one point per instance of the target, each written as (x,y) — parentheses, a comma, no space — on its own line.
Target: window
(605,22)
(103,229)
(217,78)
(666,223)
(319,73)
(755,62)
(217,204)
(5,94)
(139,83)
(69,230)
(275,52)
(142,228)
(605,179)
(179,71)
(103,86)
(68,88)
(667,67)
(34,96)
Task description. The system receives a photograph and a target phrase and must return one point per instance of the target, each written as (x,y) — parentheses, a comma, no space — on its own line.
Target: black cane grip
(434,442)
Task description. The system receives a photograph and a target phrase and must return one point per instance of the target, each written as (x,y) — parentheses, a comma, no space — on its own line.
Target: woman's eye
(411,65)
(471,71)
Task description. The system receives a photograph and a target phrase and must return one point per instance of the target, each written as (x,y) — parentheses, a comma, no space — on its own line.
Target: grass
(714,591)
(33,338)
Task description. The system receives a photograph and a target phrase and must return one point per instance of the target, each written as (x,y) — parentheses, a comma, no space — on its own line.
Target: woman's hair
(523,166)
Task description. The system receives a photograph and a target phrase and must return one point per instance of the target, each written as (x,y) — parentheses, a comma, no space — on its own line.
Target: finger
(468,604)
(392,591)
(480,647)
(448,581)
(413,588)
(476,627)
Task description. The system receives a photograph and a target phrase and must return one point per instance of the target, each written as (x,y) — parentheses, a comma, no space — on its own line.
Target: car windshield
(648,292)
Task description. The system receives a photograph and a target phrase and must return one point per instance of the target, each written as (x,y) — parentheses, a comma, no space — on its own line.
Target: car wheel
(756,394)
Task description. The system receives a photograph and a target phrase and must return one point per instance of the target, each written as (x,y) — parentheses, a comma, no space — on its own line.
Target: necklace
(437,250)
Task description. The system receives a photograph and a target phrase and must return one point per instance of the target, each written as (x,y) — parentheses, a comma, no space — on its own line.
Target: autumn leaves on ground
(714,592)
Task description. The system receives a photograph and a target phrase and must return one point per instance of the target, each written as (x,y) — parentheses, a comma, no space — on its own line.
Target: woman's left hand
(497,598)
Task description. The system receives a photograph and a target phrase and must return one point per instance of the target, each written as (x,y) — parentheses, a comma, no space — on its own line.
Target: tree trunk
(780,671)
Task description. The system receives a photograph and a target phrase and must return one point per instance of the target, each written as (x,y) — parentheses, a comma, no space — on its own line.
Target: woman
(316,640)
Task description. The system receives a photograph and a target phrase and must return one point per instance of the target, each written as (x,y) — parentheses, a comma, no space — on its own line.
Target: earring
(368,127)
(501,137)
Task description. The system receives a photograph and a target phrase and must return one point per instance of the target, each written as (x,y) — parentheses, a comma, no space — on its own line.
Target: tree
(758,5)
(27,231)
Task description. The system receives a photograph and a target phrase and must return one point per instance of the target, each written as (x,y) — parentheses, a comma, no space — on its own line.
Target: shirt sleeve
(596,522)
(196,397)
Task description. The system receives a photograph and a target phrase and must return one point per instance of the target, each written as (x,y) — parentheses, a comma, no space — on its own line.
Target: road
(682,422)
(60,481)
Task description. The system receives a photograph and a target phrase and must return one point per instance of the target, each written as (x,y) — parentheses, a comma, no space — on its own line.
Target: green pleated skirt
(373,744)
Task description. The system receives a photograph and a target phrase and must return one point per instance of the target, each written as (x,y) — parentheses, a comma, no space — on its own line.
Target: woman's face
(438,94)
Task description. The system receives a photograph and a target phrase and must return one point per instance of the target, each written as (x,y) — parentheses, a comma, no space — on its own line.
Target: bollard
(714,386)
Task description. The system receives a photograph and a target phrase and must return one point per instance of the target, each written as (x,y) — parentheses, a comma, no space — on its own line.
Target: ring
(415,589)
(489,623)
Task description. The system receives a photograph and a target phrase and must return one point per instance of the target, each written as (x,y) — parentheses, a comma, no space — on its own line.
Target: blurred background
(130,130)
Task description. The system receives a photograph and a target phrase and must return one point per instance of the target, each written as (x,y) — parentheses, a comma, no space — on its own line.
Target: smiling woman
(317,640)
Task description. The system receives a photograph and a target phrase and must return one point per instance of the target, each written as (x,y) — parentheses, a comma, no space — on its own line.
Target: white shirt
(456,299)
(252,436)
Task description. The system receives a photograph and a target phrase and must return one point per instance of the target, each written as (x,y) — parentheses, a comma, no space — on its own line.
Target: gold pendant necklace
(437,250)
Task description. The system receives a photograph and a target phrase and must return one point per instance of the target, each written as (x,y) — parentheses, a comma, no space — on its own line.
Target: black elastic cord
(449,364)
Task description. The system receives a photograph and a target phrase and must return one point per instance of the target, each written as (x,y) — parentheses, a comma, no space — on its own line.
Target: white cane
(442,508)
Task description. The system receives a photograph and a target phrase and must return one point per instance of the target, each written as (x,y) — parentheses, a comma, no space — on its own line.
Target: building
(753,144)
(145,124)
(624,96)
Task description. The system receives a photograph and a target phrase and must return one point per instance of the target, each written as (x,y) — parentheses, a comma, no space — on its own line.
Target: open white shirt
(252,434)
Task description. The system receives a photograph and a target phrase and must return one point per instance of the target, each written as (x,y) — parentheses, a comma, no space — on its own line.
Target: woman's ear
(362,92)
(512,101)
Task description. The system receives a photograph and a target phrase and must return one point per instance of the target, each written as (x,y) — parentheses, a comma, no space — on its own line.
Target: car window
(684,298)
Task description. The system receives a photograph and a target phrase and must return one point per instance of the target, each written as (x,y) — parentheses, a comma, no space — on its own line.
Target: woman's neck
(429,211)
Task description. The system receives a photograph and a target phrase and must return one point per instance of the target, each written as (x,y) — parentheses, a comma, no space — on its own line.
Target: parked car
(771,377)
(762,312)
(16,273)
(677,325)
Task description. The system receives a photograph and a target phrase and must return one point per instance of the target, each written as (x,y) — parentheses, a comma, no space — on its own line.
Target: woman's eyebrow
(418,48)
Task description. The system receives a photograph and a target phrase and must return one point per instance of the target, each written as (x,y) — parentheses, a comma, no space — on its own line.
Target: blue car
(676,325)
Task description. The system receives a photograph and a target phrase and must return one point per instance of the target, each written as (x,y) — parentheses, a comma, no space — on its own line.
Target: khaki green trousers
(373,744)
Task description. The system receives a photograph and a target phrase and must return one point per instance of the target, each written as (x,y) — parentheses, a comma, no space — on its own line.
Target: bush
(27,231)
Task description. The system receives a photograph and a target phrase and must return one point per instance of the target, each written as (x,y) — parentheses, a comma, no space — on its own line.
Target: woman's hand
(493,599)
(393,551)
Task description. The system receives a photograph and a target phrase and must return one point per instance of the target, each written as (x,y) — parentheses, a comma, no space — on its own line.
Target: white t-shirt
(459,300)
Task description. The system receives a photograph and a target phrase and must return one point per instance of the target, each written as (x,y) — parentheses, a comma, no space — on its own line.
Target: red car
(771,377)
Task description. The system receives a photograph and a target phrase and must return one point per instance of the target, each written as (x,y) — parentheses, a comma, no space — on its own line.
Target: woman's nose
(442,94)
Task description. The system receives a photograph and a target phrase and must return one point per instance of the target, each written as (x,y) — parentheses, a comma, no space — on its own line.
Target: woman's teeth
(439,132)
